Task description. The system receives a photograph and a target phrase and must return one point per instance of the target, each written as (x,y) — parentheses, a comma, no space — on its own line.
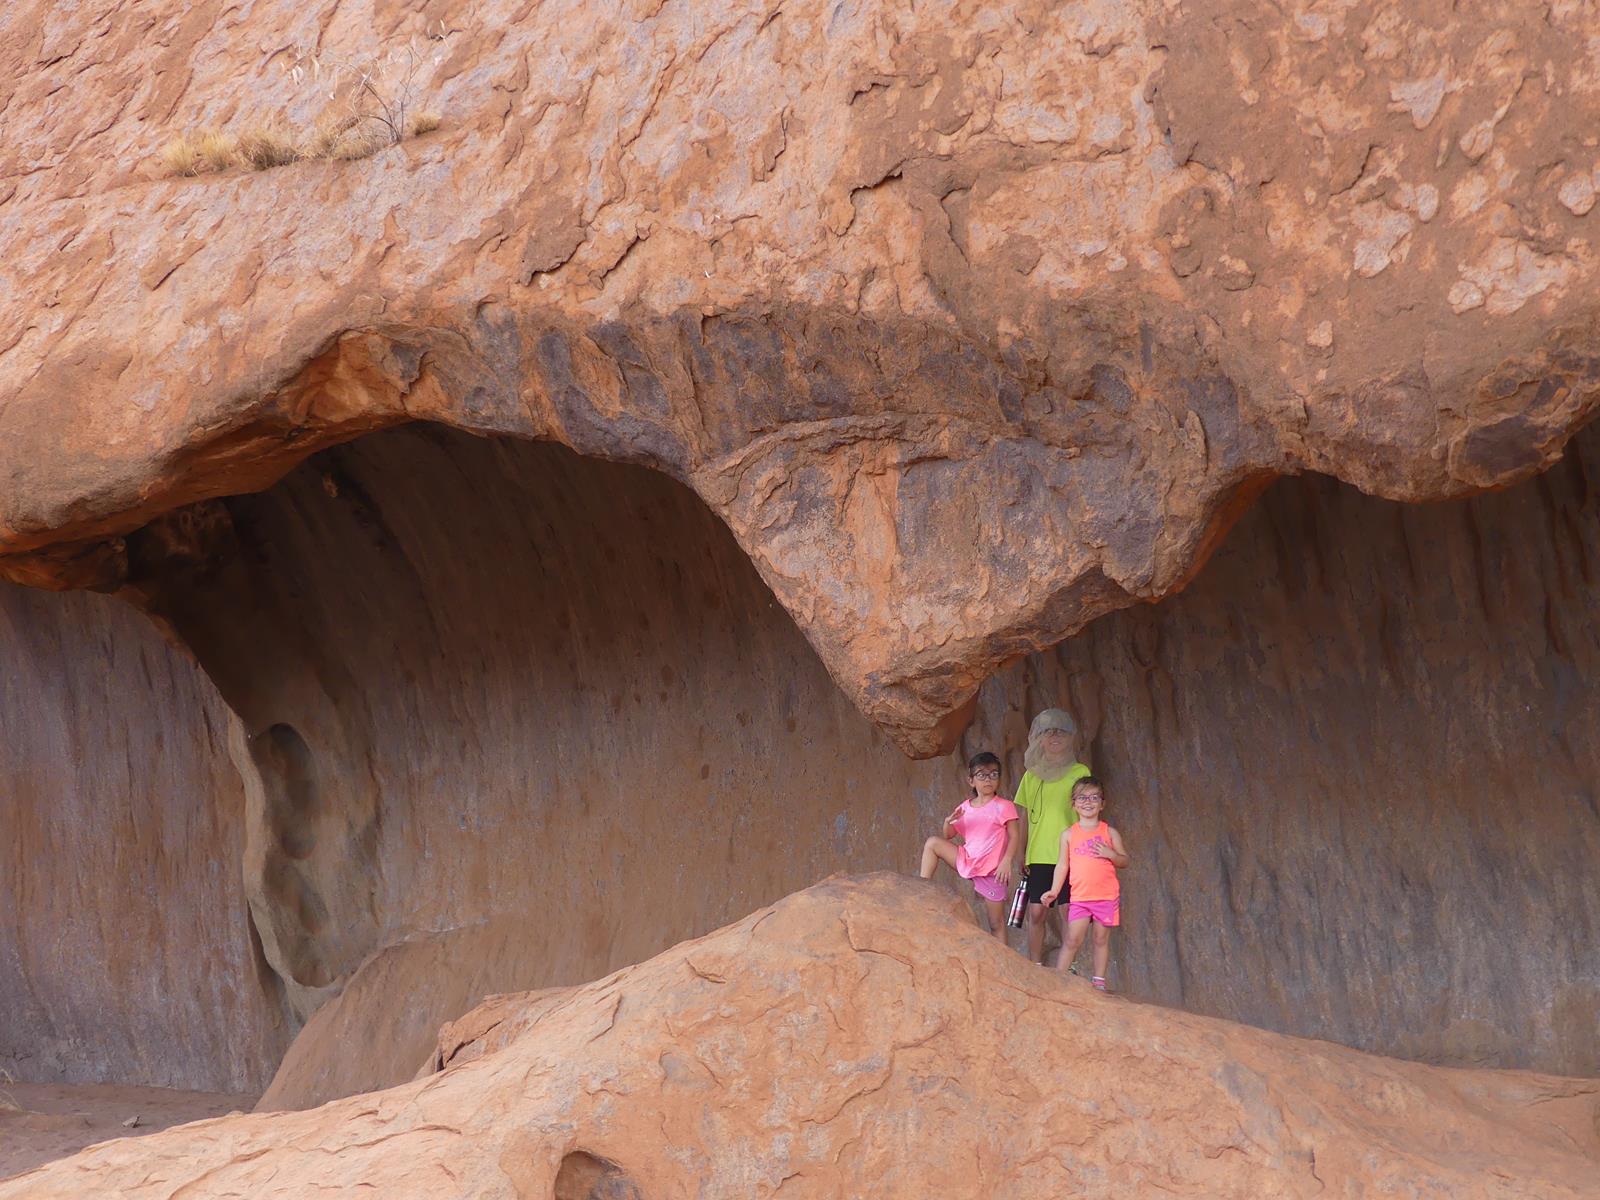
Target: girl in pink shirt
(986,823)
(1091,855)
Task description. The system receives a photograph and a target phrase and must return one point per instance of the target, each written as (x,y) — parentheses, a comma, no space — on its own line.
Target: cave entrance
(498,716)
(1358,763)
(511,717)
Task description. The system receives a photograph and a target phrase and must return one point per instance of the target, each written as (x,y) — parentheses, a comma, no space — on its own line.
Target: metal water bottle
(1019,902)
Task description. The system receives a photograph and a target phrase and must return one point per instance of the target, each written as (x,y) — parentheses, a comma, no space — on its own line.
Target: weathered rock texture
(863,1037)
(126,948)
(1358,764)
(972,320)
(538,659)
(534,716)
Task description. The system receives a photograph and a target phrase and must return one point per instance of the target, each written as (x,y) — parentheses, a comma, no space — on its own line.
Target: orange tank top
(1091,877)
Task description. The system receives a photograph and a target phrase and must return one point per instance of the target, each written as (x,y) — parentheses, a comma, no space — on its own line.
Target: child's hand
(1101,850)
(1048,898)
(1003,874)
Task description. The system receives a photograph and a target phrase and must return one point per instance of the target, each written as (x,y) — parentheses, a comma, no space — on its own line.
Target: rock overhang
(966,348)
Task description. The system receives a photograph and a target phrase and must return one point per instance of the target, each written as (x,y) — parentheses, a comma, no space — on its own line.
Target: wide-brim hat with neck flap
(1048,770)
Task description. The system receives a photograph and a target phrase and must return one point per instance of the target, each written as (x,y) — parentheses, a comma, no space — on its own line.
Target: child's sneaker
(1099,982)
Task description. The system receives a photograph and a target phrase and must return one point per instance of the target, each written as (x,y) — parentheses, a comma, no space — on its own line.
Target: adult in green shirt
(1045,796)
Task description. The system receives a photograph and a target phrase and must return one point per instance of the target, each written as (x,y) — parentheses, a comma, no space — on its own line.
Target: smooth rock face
(1358,764)
(973,321)
(487,681)
(126,947)
(864,1036)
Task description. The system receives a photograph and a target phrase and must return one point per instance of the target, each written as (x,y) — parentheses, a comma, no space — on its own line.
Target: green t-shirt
(1050,811)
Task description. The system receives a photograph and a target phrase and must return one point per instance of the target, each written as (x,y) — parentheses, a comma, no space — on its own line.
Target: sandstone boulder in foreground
(864,1038)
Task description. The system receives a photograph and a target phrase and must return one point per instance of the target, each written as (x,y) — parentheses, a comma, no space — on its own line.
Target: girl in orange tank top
(1091,855)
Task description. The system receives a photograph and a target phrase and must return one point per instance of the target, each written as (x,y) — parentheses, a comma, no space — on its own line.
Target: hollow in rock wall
(1358,765)
(488,681)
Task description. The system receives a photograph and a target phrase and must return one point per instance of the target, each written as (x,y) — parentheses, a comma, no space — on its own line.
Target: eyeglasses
(986,774)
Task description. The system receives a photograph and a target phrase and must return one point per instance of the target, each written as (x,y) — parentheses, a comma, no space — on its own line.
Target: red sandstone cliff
(970,323)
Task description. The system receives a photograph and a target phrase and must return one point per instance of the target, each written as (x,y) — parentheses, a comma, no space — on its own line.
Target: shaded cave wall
(1358,764)
(125,946)
(510,717)
(505,697)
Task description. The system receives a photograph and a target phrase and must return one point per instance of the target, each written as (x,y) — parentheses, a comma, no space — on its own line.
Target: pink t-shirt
(983,832)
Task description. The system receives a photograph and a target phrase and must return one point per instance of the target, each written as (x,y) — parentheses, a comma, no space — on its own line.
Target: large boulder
(865,1038)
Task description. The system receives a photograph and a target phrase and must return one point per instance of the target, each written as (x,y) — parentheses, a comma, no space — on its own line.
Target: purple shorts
(989,887)
(1104,912)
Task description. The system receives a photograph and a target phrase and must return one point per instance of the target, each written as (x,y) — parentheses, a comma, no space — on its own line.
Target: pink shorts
(989,887)
(1105,912)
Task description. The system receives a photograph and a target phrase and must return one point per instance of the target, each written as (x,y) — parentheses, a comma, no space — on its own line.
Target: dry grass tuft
(343,135)
(359,142)
(267,146)
(218,151)
(325,136)
(181,156)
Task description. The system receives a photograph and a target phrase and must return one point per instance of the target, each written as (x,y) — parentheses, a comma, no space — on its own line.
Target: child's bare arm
(1007,870)
(1119,858)
(1059,880)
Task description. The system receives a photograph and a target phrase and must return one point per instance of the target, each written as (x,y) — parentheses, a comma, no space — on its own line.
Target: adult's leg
(1072,942)
(997,918)
(1102,949)
(935,851)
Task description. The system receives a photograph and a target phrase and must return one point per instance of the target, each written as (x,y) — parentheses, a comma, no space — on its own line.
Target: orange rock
(864,1038)
(911,297)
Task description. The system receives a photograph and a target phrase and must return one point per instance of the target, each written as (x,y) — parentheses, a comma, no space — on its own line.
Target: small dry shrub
(325,135)
(267,146)
(371,105)
(218,151)
(181,156)
(360,142)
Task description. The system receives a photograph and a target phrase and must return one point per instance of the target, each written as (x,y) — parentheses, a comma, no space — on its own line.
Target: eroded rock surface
(973,321)
(863,1035)
(1358,762)
(397,602)
(515,718)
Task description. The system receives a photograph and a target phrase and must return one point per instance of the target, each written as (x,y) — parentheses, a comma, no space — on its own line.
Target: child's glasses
(986,774)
